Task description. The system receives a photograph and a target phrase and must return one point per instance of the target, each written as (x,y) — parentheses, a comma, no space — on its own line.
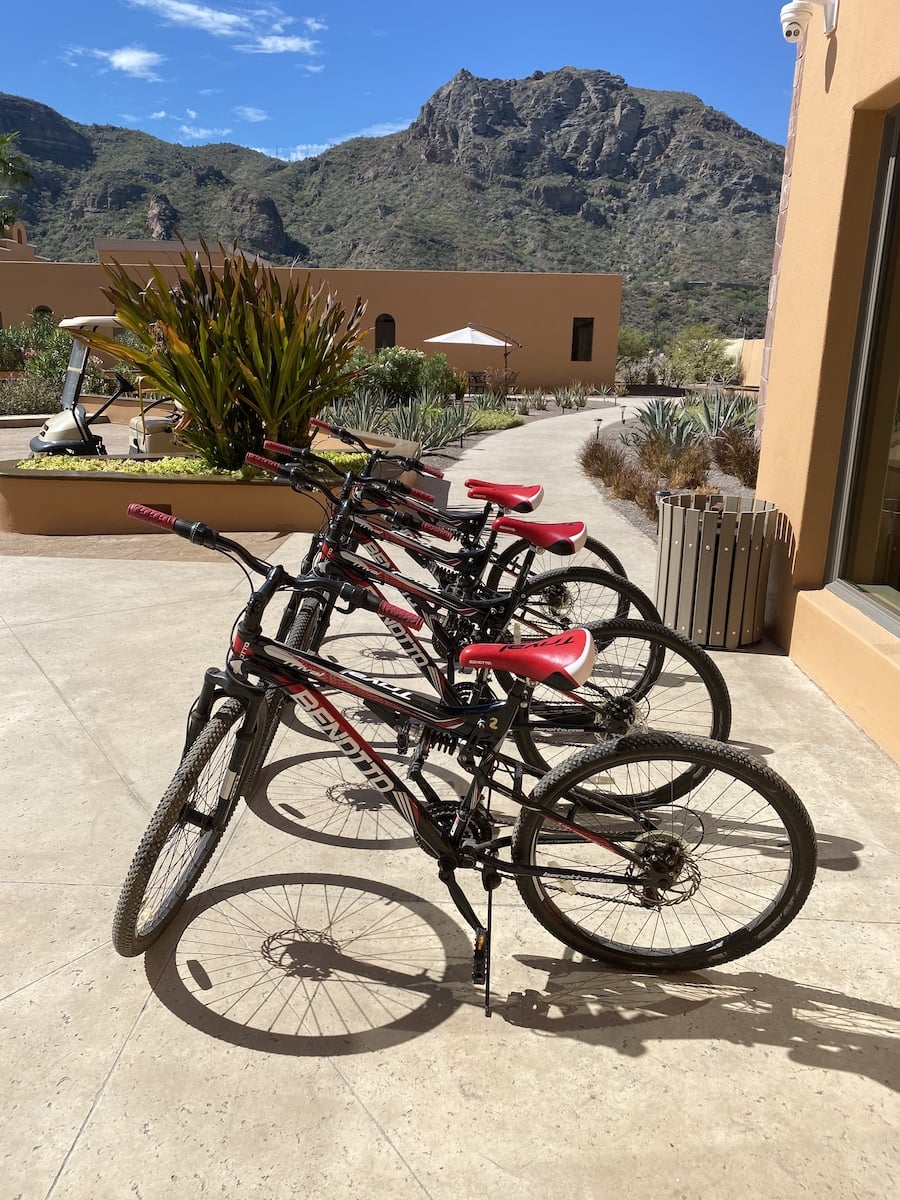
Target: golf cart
(69,432)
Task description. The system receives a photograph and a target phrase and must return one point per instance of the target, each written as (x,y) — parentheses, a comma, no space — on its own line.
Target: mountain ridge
(569,170)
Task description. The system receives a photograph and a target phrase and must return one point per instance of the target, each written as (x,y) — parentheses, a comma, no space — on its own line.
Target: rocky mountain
(571,170)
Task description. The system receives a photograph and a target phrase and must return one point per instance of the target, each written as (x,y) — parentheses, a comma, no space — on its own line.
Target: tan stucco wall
(848,83)
(534,309)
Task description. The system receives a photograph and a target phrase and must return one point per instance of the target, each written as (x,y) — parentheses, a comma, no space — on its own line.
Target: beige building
(568,325)
(831,372)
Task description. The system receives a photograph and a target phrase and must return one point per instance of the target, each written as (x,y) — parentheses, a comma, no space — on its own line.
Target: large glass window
(868,541)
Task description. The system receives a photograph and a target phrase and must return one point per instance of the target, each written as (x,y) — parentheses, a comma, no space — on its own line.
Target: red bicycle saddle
(563,661)
(520,497)
(564,537)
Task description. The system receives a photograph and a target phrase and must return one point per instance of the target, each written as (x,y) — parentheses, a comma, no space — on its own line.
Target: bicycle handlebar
(349,437)
(199,533)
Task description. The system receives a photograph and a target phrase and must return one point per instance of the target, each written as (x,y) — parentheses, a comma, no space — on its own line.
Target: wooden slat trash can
(712,566)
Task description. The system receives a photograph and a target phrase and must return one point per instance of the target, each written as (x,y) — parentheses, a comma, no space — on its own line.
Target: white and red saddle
(560,537)
(563,661)
(520,497)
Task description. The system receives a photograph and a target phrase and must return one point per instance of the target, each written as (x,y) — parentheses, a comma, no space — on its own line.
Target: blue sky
(291,79)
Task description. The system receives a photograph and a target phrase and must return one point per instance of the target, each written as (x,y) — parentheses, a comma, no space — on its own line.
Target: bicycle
(639,659)
(619,852)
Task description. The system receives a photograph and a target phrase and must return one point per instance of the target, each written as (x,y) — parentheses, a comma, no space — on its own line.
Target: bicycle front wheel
(646,676)
(182,835)
(710,875)
(304,633)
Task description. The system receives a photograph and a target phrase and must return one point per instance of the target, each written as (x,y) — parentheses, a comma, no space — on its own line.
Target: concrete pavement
(227,1064)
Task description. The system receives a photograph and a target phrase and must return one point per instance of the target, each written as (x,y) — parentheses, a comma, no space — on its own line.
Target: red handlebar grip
(152,516)
(319,424)
(264,464)
(419,495)
(410,619)
(423,470)
(436,531)
(278,448)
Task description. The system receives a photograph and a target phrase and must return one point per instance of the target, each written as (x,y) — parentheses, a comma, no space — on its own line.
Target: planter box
(88,502)
(94,502)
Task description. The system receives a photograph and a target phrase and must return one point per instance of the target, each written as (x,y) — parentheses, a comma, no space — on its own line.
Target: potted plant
(246,358)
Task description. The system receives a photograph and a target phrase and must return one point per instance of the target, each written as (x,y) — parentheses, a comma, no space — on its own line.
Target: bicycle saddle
(564,537)
(520,497)
(563,661)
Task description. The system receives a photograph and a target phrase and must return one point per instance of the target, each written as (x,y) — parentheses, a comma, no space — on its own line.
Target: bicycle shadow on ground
(317,964)
(311,964)
(816,1027)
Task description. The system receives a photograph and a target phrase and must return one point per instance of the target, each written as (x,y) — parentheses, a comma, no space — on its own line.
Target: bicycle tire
(646,676)
(197,781)
(594,553)
(299,637)
(740,842)
(575,596)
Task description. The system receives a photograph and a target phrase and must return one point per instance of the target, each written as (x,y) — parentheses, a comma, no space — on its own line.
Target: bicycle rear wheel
(646,676)
(182,835)
(716,871)
(573,596)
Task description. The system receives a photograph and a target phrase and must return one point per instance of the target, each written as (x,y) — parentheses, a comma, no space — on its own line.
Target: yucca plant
(246,358)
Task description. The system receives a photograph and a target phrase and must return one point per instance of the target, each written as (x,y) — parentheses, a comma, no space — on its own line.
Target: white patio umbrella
(470,335)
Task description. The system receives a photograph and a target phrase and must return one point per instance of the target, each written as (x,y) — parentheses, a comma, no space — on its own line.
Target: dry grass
(601,459)
(736,452)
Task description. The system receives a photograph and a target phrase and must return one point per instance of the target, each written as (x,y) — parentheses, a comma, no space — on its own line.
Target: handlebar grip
(420,495)
(152,516)
(436,531)
(410,619)
(425,470)
(317,423)
(264,464)
(281,448)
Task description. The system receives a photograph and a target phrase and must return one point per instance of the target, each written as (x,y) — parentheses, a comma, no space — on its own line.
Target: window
(582,339)
(866,552)
(385,331)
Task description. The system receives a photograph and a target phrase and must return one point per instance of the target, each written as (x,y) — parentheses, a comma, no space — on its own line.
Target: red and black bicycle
(651,851)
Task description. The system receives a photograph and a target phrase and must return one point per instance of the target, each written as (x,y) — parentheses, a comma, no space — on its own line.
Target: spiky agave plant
(245,357)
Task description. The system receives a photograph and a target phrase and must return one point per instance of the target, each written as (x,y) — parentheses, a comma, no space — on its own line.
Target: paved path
(245,1059)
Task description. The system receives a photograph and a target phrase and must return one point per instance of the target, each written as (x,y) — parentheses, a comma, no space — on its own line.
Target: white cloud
(158,116)
(247,113)
(269,44)
(314,25)
(194,133)
(191,114)
(309,149)
(314,68)
(132,60)
(214,21)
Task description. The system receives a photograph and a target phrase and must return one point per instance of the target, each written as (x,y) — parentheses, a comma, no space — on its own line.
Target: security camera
(794,19)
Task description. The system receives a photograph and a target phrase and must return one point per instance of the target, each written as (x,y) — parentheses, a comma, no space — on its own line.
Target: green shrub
(439,378)
(398,372)
(487,420)
(28,395)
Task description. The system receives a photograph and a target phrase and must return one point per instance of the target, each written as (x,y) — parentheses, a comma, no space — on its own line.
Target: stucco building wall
(537,310)
(847,84)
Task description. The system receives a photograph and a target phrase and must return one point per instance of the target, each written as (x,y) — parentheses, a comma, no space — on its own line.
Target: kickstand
(487,963)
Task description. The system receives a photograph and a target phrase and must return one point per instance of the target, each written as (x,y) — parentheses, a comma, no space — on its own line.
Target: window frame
(884,231)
